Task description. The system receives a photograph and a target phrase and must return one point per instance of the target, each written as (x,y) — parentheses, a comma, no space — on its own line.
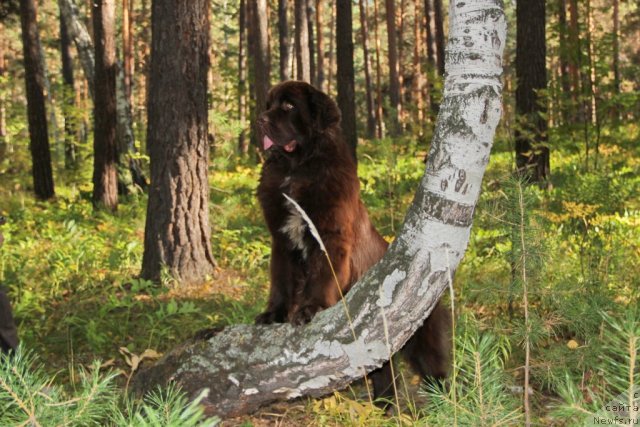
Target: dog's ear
(323,109)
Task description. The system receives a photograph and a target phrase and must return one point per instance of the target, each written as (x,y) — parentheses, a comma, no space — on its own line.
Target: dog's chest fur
(294,225)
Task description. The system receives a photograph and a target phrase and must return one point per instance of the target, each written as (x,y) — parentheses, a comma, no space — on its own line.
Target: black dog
(310,162)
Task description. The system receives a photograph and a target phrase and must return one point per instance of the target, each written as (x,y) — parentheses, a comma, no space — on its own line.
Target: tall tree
(36,112)
(243,148)
(177,231)
(69,96)
(319,46)
(236,364)
(563,56)
(127,48)
(260,56)
(394,79)
(311,16)
(283,38)
(376,32)
(417,71)
(303,63)
(532,152)
(364,34)
(346,89)
(431,57)
(438,18)
(105,157)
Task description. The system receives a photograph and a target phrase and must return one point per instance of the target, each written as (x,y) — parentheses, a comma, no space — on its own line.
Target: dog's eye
(287,106)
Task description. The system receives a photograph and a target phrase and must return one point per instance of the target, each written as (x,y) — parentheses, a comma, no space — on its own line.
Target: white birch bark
(245,366)
(80,36)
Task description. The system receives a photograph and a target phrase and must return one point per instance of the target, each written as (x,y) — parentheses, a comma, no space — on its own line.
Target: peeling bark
(246,366)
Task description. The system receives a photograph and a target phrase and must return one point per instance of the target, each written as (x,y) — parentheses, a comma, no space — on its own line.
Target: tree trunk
(127,50)
(105,160)
(81,38)
(246,366)
(177,231)
(320,46)
(574,51)
(332,38)
(70,127)
(431,59)
(394,82)
(532,153)
(243,148)
(311,16)
(379,120)
(4,140)
(283,38)
(36,112)
(346,90)
(417,72)
(261,63)
(565,77)
(364,33)
(438,18)
(616,46)
(302,41)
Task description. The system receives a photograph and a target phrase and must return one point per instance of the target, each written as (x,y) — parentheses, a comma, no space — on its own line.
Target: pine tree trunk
(574,63)
(394,82)
(565,78)
(105,176)
(243,147)
(532,153)
(616,46)
(431,58)
(346,89)
(177,231)
(283,38)
(70,127)
(261,58)
(364,34)
(302,41)
(4,142)
(127,49)
(379,119)
(332,38)
(439,36)
(417,72)
(320,46)
(311,17)
(246,366)
(36,112)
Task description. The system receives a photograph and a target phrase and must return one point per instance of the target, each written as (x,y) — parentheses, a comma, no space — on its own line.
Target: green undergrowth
(71,273)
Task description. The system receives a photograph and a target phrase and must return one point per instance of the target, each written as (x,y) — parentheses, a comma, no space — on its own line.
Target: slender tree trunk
(401,97)
(346,88)
(394,82)
(532,153)
(320,46)
(283,38)
(81,38)
(246,366)
(4,136)
(438,18)
(332,38)
(177,231)
(127,49)
(431,59)
(616,46)
(379,119)
(302,41)
(243,147)
(36,111)
(261,58)
(417,72)
(565,77)
(574,55)
(70,127)
(364,34)
(105,176)
(311,17)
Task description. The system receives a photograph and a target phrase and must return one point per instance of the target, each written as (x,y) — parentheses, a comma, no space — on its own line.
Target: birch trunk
(246,366)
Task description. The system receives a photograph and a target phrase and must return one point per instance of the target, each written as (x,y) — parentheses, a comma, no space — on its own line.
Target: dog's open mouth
(267,143)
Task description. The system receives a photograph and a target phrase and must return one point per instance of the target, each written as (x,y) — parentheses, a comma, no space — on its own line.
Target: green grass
(71,273)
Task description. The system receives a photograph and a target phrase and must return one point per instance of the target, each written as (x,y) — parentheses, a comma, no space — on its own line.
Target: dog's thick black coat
(309,161)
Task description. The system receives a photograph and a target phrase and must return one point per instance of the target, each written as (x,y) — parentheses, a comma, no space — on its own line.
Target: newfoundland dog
(309,161)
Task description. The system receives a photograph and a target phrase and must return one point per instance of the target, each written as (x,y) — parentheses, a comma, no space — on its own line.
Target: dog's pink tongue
(267,142)
(290,146)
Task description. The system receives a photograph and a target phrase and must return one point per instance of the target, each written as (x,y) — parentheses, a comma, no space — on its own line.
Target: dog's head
(296,114)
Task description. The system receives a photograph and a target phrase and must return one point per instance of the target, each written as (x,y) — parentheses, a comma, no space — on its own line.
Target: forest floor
(72,275)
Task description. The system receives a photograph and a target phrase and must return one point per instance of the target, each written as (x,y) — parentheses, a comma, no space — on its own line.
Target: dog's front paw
(304,314)
(269,317)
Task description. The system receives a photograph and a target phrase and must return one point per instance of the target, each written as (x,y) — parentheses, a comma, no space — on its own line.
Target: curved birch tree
(245,366)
